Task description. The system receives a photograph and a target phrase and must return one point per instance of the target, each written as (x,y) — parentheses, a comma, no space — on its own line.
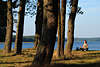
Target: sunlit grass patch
(27,56)
(81,57)
(1,50)
(11,60)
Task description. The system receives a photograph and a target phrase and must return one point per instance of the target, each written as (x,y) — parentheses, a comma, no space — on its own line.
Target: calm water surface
(93,45)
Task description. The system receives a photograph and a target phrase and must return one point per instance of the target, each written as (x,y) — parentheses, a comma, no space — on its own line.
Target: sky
(86,25)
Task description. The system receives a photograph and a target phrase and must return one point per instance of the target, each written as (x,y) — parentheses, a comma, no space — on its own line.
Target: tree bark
(70,33)
(20,25)
(63,18)
(9,28)
(59,31)
(46,47)
(39,22)
(3,20)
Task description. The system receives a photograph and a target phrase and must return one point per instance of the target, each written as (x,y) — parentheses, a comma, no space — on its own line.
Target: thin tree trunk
(59,30)
(63,14)
(20,25)
(8,41)
(46,47)
(39,22)
(70,33)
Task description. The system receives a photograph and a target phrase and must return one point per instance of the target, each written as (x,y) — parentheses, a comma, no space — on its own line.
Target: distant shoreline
(27,39)
(24,42)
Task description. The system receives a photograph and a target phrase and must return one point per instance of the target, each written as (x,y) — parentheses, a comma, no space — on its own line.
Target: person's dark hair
(85,41)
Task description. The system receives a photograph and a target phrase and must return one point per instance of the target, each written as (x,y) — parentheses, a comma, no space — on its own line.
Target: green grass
(79,57)
(10,60)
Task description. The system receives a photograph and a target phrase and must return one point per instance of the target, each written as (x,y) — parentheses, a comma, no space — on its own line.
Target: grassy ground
(10,60)
(79,59)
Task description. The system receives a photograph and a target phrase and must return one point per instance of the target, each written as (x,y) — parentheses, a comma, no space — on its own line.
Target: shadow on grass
(67,65)
(87,56)
(55,60)
(75,58)
(29,55)
(97,53)
(15,62)
(3,56)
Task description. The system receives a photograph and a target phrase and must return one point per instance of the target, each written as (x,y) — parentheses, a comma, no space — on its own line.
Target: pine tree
(20,25)
(9,28)
(70,33)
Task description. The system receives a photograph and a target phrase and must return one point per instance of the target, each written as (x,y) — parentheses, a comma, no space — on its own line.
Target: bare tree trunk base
(69,56)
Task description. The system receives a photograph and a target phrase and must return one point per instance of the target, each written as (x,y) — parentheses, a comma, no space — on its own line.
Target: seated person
(85,46)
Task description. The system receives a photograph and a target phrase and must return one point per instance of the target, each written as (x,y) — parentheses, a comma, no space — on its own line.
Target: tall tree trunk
(63,14)
(70,33)
(20,25)
(39,21)
(8,41)
(59,31)
(46,47)
(3,20)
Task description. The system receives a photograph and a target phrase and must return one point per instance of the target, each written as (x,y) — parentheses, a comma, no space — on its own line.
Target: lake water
(93,45)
